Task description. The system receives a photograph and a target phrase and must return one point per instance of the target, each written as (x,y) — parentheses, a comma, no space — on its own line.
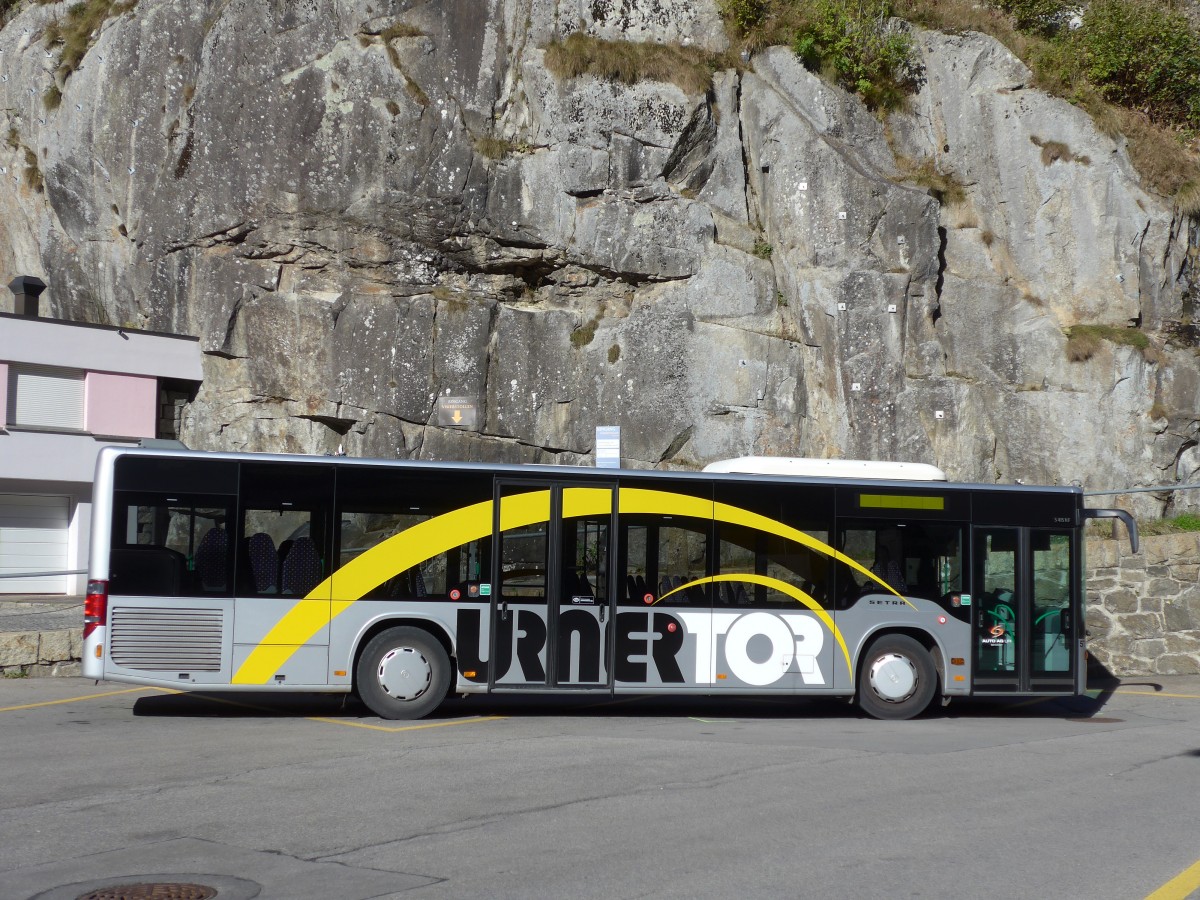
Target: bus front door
(552,601)
(1024,623)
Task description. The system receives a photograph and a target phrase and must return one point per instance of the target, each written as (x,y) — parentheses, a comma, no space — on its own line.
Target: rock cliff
(360,205)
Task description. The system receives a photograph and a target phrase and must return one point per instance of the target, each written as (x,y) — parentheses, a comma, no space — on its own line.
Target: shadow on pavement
(602,705)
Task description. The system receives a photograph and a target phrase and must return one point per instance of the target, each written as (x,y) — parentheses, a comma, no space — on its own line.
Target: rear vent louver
(171,639)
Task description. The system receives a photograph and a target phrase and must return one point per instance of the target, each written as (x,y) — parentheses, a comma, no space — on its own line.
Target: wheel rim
(893,678)
(405,673)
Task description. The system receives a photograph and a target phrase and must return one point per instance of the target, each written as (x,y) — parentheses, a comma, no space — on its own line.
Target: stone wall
(1143,613)
(32,653)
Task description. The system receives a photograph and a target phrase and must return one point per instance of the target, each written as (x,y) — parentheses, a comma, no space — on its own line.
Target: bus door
(551,589)
(282,552)
(1024,622)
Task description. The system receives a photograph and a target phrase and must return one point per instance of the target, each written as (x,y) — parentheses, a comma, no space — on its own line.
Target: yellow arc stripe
(1181,886)
(397,554)
(784,588)
(640,500)
(434,536)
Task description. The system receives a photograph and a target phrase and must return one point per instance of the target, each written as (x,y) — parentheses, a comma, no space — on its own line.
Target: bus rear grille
(156,638)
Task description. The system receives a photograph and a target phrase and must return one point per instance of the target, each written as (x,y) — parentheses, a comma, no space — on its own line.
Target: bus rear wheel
(403,673)
(897,678)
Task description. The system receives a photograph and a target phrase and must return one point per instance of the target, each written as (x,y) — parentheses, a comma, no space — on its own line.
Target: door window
(996,587)
(1051,603)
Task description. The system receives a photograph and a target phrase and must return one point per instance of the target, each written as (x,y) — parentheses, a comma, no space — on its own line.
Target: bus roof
(804,467)
(110,453)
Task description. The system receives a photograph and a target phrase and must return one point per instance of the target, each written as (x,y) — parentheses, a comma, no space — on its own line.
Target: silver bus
(400,581)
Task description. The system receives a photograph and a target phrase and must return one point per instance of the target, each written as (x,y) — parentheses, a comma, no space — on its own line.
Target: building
(72,388)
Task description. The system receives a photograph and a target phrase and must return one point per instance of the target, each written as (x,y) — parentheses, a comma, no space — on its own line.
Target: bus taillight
(95,606)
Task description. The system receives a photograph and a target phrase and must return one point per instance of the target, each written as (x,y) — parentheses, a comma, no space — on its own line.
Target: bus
(403,581)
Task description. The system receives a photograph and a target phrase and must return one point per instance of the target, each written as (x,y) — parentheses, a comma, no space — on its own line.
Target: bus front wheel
(403,673)
(897,679)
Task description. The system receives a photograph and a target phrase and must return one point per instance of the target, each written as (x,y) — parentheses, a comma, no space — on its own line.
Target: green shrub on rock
(1144,55)
(852,42)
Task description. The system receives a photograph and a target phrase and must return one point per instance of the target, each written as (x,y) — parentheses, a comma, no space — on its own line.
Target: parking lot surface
(309,796)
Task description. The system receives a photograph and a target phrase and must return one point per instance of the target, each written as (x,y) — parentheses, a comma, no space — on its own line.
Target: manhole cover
(156,886)
(152,891)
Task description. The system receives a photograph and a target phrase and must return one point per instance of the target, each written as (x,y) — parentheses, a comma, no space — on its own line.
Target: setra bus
(400,581)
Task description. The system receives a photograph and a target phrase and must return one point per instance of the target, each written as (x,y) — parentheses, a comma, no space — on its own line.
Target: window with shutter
(45,397)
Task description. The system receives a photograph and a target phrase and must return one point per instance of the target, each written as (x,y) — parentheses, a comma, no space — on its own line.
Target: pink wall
(121,405)
(3,393)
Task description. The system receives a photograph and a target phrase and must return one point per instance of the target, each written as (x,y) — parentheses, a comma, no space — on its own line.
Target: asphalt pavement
(309,796)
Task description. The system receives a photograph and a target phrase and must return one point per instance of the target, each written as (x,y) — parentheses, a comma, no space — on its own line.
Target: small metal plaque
(458,412)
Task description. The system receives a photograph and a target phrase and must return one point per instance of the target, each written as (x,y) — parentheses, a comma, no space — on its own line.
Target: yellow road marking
(1160,694)
(74,699)
(1181,886)
(266,709)
(407,727)
(203,696)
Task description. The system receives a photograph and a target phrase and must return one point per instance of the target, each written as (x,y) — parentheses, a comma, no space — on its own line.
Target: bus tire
(403,673)
(897,678)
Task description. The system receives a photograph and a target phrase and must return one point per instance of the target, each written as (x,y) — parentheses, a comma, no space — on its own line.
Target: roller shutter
(45,397)
(33,538)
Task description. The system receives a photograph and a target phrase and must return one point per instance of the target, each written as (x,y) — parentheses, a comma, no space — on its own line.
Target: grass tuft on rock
(1085,341)
(944,187)
(72,35)
(628,62)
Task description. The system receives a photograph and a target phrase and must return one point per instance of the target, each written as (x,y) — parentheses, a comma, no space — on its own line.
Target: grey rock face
(357,218)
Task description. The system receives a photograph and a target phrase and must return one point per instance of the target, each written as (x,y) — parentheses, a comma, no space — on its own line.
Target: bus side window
(378,505)
(278,554)
(784,563)
(169,546)
(915,559)
(663,560)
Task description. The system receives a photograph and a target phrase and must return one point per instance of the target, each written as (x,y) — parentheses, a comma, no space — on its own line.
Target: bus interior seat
(301,570)
(285,547)
(264,562)
(212,559)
